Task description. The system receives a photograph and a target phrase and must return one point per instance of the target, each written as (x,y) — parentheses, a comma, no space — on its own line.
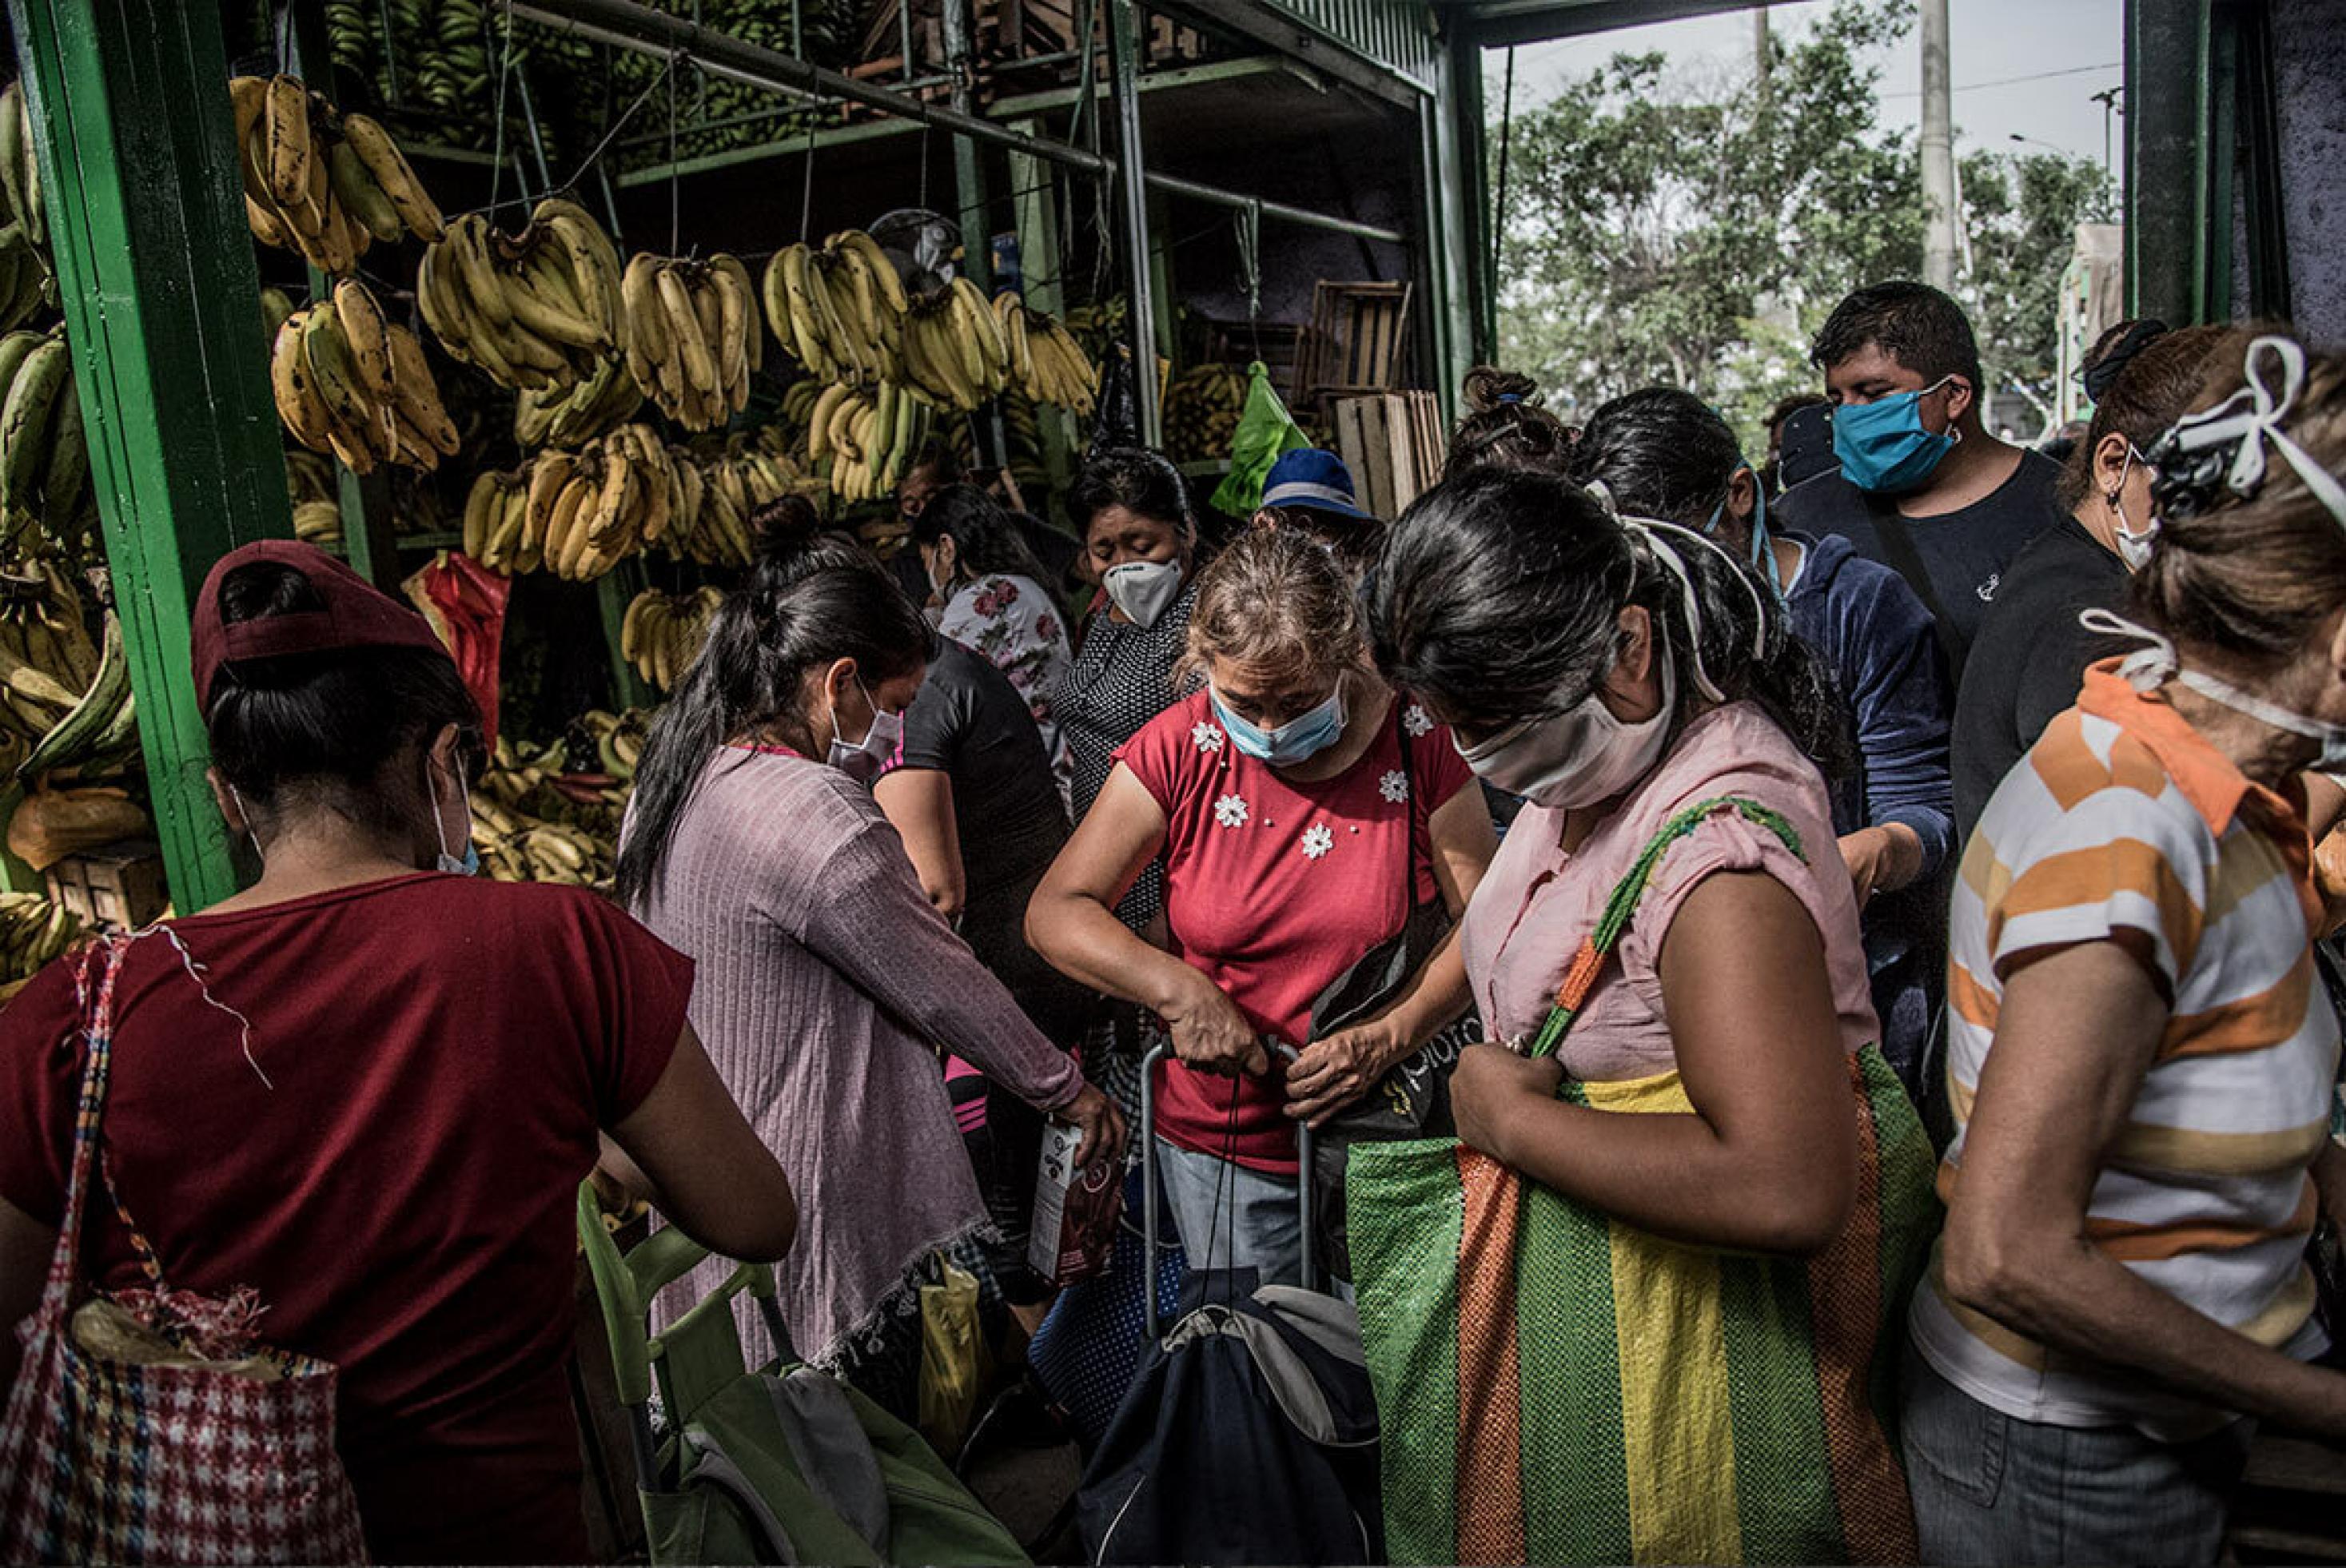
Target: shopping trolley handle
(1149,1183)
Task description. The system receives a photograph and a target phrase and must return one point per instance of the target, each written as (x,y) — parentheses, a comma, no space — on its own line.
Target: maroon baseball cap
(357,614)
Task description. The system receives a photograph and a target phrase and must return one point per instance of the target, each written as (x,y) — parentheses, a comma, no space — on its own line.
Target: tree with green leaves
(1695,232)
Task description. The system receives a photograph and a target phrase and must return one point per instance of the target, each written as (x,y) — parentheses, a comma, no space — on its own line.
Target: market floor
(1029,1488)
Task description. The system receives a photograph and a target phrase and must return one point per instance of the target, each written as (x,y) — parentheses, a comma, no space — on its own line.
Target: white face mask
(863,760)
(941,576)
(468,864)
(1577,758)
(2134,548)
(1143,590)
(2156,664)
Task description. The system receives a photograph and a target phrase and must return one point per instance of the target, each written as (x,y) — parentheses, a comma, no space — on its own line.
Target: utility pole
(1760,47)
(1938,151)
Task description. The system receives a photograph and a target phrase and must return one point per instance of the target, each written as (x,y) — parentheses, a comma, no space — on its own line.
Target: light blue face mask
(1298,741)
(1763,559)
(1882,445)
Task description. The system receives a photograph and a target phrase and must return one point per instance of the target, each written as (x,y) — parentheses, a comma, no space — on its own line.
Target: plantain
(389,168)
(27,418)
(287,126)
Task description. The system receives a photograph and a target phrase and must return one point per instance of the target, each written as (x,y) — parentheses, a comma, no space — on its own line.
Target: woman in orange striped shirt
(2140,1060)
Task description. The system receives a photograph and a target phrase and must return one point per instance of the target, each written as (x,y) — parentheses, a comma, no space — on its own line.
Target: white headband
(1647,528)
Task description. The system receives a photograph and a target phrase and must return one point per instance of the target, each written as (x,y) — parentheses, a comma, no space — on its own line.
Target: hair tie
(2222,449)
(1510,397)
(2100,376)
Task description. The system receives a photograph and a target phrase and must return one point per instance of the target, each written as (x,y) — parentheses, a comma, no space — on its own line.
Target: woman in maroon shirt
(1301,810)
(368,1089)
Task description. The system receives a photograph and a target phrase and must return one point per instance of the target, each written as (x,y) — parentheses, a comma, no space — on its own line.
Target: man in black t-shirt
(1923,488)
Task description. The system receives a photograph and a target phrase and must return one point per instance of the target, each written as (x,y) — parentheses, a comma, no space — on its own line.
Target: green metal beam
(129,110)
(1132,184)
(2166,176)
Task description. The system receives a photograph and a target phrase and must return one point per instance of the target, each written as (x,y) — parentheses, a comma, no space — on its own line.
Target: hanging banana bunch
(868,437)
(575,513)
(1045,361)
(44,451)
(692,335)
(351,383)
(838,311)
(65,697)
(954,347)
(325,183)
(607,398)
(535,312)
(662,633)
(310,484)
(28,283)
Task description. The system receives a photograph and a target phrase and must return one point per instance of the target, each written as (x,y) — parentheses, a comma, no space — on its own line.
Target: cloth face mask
(1577,758)
(1882,445)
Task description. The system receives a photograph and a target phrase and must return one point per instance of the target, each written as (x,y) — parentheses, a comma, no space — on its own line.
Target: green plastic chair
(780,1464)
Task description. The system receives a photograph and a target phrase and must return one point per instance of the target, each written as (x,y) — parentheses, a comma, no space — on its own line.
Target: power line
(2015,81)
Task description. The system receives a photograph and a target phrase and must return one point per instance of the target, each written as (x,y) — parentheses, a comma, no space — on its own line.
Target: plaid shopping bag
(1557,1386)
(110,1460)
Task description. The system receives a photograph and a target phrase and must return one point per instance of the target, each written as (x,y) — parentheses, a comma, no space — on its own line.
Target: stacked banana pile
(539,311)
(32,932)
(840,311)
(65,701)
(325,183)
(1201,412)
(869,436)
(605,400)
(692,335)
(27,285)
(1101,327)
(551,813)
(662,633)
(44,452)
(954,347)
(575,513)
(1045,361)
(317,502)
(349,381)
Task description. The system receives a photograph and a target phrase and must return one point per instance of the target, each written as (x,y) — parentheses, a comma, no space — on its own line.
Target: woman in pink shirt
(1614,672)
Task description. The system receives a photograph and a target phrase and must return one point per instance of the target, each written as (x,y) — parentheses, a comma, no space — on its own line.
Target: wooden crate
(1359,340)
(118,884)
(1393,443)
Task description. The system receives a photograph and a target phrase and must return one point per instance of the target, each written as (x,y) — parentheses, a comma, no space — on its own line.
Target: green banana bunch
(606,398)
(34,932)
(44,452)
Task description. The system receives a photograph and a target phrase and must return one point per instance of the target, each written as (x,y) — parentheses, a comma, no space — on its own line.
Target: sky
(1992,41)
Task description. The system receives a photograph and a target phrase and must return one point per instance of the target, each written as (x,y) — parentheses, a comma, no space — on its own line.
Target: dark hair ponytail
(1662,453)
(1498,598)
(1505,426)
(811,600)
(984,538)
(324,729)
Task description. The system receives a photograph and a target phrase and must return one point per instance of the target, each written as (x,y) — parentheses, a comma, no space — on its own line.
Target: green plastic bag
(1265,429)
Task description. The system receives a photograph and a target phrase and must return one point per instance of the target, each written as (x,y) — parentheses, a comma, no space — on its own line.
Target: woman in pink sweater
(827,982)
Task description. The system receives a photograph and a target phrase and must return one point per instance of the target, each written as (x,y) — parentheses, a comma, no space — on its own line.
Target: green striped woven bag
(1555,1386)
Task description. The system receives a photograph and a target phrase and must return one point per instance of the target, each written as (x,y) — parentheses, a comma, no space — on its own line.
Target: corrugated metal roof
(1398,35)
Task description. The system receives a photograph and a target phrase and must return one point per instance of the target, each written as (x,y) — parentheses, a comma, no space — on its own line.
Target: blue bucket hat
(1309,477)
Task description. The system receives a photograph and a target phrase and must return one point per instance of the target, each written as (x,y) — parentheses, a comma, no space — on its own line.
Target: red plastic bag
(465,603)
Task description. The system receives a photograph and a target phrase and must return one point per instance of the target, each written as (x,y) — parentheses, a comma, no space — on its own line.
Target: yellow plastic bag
(955,1360)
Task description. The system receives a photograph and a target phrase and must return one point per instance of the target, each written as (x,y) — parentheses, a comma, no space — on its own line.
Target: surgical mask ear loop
(452,864)
(244,812)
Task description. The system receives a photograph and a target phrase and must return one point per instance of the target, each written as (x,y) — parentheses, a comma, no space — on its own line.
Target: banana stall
(527,306)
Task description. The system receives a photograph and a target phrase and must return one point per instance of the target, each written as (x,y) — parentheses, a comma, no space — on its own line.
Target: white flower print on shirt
(1230,811)
(1417,721)
(1317,841)
(1207,737)
(1394,786)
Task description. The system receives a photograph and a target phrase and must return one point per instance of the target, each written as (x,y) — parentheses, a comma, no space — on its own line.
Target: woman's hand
(1209,1032)
(1490,1085)
(1333,1073)
(1102,1125)
(1881,860)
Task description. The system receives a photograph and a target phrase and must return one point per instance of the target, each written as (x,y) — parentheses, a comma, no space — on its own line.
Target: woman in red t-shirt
(1301,812)
(368,1089)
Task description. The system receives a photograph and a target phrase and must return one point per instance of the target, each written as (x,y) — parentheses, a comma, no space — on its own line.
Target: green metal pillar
(129,110)
(2166,184)
(1132,178)
(1035,199)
